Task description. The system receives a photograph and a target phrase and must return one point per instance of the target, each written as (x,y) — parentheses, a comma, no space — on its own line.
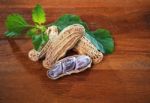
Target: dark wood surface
(123,77)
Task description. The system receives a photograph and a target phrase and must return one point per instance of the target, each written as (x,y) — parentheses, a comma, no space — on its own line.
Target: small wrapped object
(69,65)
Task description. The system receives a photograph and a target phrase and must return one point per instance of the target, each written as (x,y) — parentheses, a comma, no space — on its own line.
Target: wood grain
(123,77)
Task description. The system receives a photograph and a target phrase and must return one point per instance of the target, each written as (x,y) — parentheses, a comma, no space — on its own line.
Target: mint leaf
(39,40)
(102,39)
(15,24)
(67,20)
(45,38)
(38,14)
(32,32)
(10,34)
(89,35)
(105,38)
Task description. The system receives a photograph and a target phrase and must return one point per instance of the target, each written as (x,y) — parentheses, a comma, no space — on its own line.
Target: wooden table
(123,77)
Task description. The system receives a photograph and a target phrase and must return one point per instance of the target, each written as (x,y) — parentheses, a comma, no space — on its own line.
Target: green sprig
(101,38)
(16,24)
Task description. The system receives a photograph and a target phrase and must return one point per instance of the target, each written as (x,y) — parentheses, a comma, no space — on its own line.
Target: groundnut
(65,41)
(69,65)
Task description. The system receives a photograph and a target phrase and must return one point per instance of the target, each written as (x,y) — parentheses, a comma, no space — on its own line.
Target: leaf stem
(32,26)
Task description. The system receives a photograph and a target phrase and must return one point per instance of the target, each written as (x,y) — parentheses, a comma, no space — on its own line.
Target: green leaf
(32,32)
(105,38)
(15,24)
(41,28)
(38,14)
(102,39)
(89,35)
(67,20)
(39,40)
(10,34)
(45,38)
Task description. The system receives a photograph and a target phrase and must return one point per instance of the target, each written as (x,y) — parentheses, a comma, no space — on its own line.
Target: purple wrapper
(69,65)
